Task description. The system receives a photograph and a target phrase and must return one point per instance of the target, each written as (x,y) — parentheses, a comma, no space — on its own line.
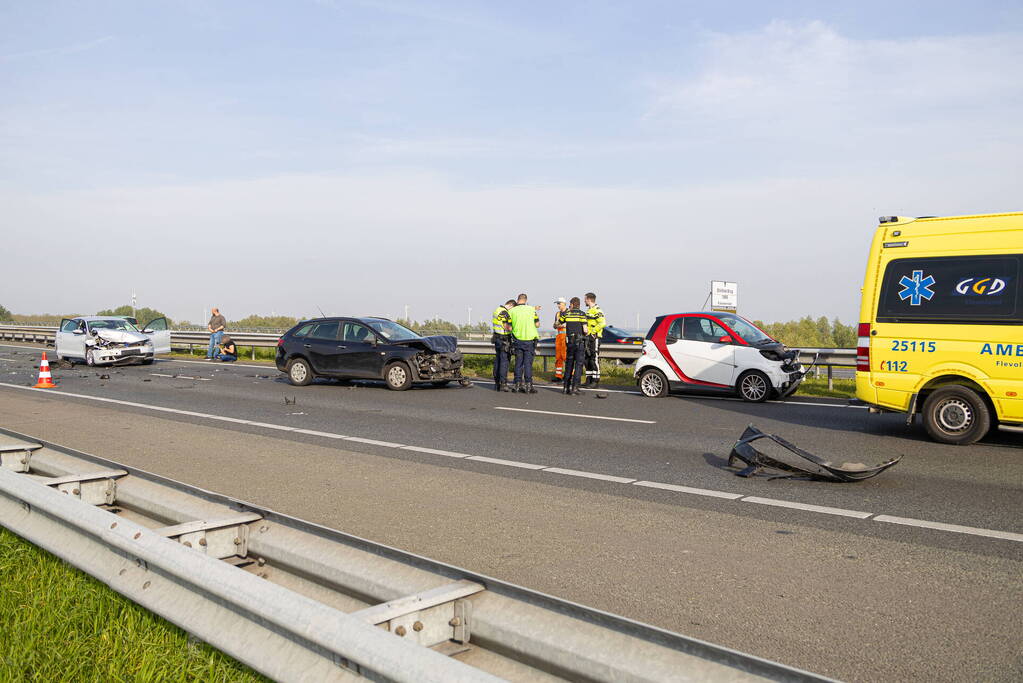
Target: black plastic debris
(290,401)
(805,465)
(104,376)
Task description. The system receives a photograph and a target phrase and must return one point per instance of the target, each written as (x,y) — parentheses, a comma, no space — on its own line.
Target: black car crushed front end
(438,357)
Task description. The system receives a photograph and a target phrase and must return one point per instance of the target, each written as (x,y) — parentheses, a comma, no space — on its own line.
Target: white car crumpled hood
(121,336)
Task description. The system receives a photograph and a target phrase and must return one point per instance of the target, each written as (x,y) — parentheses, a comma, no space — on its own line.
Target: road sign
(724,296)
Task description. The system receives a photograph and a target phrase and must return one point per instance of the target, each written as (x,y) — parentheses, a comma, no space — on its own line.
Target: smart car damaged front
(97,340)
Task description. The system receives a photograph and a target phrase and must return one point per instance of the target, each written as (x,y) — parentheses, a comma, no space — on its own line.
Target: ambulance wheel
(653,383)
(956,415)
(753,386)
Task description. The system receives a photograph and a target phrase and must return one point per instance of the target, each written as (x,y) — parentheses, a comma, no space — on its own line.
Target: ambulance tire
(956,415)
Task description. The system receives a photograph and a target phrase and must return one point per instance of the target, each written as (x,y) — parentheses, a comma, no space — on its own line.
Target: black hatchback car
(367,348)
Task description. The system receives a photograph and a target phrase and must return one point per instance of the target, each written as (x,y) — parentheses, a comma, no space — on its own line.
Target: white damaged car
(97,340)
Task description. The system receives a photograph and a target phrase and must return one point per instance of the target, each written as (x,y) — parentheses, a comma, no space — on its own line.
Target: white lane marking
(823,509)
(589,475)
(940,526)
(217,364)
(554,387)
(954,528)
(509,463)
(373,442)
(589,417)
(435,451)
(9,360)
(688,489)
(313,432)
(160,374)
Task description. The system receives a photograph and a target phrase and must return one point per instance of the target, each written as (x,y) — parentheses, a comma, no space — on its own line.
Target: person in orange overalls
(560,340)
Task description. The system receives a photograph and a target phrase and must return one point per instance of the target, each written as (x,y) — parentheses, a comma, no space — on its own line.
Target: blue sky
(362,156)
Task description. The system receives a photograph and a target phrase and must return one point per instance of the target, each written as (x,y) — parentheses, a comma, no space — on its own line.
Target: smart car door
(158,331)
(360,354)
(323,348)
(701,354)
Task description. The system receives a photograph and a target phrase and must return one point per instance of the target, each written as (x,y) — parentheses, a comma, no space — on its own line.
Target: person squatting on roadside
(560,348)
(216,327)
(524,324)
(595,328)
(576,334)
(228,351)
(502,340)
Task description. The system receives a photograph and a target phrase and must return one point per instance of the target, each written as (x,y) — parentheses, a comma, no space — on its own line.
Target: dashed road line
(201,379)
(589,417)
(954,528)
(688,489)
(823,509)
(820,509)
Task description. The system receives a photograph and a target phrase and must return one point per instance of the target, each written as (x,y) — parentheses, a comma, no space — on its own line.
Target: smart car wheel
(956,415)
(90,359)
(398,377)
(754,387)
(653,383)
(299,372)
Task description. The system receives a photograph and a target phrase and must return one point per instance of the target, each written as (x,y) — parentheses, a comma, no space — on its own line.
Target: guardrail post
(831,382)
(253,353)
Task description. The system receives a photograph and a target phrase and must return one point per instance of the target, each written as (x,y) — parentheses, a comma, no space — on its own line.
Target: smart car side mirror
(725,340)
(670,339)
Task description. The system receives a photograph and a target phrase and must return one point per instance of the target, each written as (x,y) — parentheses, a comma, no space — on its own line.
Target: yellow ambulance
(941,323)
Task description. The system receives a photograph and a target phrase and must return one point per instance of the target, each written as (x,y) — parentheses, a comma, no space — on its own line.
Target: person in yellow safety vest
(576,333)
(595,324)
(524,322)
(502,344)
(560,342)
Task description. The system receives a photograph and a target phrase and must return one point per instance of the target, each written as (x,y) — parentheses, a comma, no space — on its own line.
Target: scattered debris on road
(290,401)
(814,467)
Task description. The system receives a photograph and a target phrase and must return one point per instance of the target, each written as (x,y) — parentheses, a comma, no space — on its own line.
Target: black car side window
(325,331)
(356,333)
(303,331)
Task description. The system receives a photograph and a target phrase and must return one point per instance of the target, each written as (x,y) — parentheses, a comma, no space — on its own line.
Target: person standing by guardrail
(524,324)
(216,327)
(502,340)
(560,343)
(595,324)
(576,333)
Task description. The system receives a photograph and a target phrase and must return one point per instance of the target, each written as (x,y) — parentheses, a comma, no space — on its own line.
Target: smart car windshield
(113,324)
(745,329)
(392,331)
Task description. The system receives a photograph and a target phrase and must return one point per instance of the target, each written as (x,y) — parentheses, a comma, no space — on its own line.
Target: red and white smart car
(719,353)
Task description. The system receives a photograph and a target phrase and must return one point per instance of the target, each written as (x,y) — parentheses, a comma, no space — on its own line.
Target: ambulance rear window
(952,289)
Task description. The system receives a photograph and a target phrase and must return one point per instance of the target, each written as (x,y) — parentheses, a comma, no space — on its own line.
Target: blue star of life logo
(917,288)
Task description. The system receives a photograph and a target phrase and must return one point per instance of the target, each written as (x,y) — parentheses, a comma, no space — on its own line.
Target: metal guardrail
(298,602)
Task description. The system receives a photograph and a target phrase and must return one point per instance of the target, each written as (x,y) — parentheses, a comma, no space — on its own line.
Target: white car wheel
(653,383)
(754,387)
(90,359)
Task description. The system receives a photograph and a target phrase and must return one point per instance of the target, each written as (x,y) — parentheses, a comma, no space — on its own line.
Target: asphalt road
(637,513)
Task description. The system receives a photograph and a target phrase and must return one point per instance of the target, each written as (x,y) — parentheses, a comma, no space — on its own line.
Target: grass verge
(60,624)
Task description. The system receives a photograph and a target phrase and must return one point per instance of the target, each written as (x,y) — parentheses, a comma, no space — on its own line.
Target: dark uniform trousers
(574,360)
(502,357)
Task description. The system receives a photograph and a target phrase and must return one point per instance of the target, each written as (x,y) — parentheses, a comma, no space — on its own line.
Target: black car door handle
(342,346)
(307,345)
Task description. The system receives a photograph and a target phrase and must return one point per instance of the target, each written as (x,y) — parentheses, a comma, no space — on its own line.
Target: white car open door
(158,331)
(700,353)
(69,342)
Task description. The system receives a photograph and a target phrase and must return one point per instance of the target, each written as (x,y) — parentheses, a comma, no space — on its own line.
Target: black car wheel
(653,383)
(299,372)
(398,376)
(956,415)
(753,386)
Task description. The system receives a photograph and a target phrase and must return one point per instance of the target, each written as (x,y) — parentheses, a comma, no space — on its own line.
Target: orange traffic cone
(45,379)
